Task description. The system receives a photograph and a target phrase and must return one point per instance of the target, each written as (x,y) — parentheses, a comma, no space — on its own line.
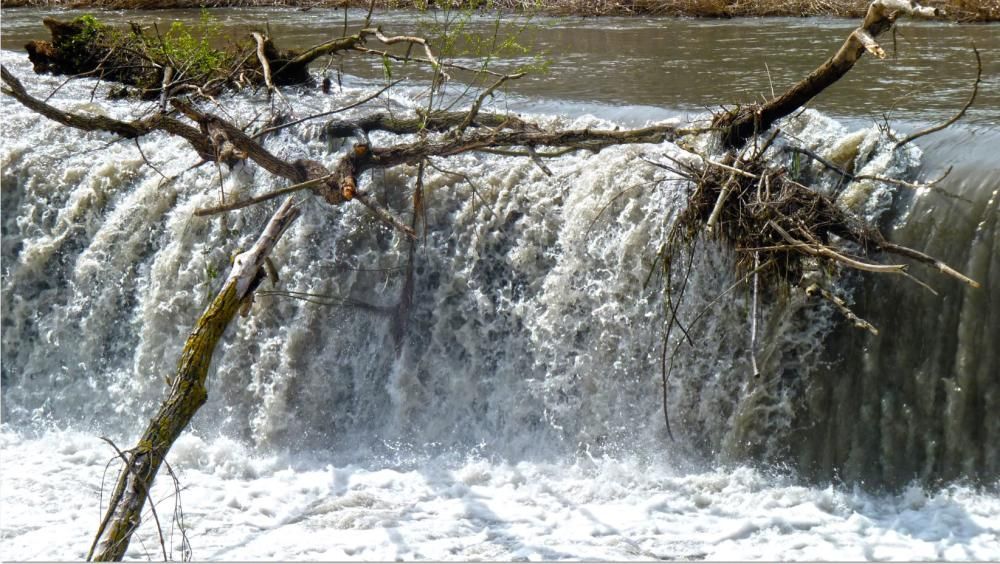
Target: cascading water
(917,400)
(529,366)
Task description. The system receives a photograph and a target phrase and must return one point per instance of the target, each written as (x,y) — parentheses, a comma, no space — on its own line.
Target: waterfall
(536,329)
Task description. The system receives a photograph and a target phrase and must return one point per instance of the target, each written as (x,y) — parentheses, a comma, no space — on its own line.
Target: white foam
(239,506)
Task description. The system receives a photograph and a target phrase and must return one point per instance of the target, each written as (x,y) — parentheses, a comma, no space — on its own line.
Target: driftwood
(745,198)
(750,120)
(85,47)
(137,58)
(782,233)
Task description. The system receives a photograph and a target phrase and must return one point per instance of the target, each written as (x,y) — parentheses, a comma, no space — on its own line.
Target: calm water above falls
(522,419)
(673,63)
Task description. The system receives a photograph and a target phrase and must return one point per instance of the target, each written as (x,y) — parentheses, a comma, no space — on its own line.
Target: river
(521,418)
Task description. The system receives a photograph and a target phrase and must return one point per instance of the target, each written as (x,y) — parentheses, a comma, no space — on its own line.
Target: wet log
(435,122)
(187,393)
(287,67)
(64,53)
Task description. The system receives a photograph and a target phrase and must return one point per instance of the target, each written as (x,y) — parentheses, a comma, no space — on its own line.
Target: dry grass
(958,10)
(696,8)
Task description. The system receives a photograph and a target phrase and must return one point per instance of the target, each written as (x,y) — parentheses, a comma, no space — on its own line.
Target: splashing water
(518,417)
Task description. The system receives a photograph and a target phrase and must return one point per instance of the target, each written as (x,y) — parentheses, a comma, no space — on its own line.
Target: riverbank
(957,10)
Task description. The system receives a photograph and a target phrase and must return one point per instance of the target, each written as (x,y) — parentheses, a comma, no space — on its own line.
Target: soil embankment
(959,10)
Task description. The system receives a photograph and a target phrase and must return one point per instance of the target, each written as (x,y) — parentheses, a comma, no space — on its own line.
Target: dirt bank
(959,10)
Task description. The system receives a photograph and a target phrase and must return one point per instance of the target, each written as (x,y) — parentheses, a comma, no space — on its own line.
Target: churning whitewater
(243,506)
(518,416)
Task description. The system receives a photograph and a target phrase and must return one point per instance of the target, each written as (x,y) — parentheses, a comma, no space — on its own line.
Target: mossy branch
(187,393)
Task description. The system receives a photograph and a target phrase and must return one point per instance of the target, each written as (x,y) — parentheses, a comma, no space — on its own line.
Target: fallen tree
(743,197)
(746,121)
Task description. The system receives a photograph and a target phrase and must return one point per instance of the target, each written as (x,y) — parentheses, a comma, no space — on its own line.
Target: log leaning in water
(187,393)
(748,121)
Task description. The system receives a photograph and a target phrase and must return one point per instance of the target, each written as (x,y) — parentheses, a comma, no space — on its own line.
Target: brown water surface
(677,64)
(917,401)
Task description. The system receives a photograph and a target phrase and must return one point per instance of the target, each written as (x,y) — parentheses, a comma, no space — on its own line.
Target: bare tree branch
(956,117)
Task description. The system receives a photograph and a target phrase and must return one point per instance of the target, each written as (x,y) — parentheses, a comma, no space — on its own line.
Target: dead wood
(84,46)
(972,98)
(187,393)
(434,122)
(747,121)
(201,143)
(755,208)
(784,235)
